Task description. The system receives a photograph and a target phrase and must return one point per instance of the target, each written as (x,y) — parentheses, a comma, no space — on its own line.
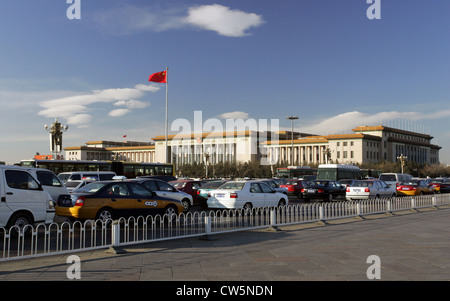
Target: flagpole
(166,126)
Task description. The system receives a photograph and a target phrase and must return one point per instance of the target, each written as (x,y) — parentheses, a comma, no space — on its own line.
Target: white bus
(338,172)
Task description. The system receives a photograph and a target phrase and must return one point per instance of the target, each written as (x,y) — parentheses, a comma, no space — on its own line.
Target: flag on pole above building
(159,77)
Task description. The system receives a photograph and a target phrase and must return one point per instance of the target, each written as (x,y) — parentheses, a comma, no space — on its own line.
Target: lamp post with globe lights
(56,129)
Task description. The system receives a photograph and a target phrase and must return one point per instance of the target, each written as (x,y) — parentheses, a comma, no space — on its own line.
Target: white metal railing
(66,237)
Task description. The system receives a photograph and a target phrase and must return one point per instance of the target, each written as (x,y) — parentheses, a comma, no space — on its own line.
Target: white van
(50,182)
(80,175)
(23,201)
(393,179)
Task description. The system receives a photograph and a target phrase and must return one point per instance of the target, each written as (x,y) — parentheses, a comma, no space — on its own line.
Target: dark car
(190,187)
(165,189)
(294,187)
(323,189)
(445,186)
(163,178)
(107,200)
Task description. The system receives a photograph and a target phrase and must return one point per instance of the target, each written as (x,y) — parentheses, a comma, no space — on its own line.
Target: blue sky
(324,61)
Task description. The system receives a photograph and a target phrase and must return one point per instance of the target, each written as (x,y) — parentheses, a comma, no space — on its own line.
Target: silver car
(164,189)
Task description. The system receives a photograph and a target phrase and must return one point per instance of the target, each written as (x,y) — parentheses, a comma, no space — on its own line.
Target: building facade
(367,144)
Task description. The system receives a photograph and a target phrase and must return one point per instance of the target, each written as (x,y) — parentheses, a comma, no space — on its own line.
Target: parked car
(107,200)
(246,195)
(393,179)
(164,189)
(208,186)
(50,182)
(74,185)
(369,189)
(348,182)
(274,185)
(190,187)
(323,189)
(294,187)
(445,186)
(80,175)
(436,183)
(160,177)
(24,201)
(414,187)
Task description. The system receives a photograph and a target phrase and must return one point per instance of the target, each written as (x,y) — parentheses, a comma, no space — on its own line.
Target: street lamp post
(402,160)
(56,131)
(292,118)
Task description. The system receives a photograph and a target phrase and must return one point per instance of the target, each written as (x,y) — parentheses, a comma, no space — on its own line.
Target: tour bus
(338,172)
(127,169)
(296,172)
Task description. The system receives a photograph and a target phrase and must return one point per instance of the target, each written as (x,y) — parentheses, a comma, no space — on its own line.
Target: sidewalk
(410,245)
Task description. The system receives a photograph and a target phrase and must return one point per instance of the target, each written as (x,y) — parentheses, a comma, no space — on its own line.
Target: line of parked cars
(30,195)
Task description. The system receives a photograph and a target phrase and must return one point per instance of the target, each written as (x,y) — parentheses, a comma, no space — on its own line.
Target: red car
(295,187)
(191,187)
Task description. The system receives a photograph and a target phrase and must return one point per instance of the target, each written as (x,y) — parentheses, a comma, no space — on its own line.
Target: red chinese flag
(159,77)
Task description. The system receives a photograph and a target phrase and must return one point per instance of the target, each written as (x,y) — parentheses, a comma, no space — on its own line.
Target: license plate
(65,202)
(405,188)
(311,191)
(220,195)
(356,190)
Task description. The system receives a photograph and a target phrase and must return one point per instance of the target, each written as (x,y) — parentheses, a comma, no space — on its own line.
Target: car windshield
(318,183)
(409,183)
(92,187)
(389,178)
(71,184)
(212,185)
(291,183)
(363,184)
(232,185)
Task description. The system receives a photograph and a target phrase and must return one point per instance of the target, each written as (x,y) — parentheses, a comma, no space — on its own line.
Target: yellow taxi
(414,187)
(106,200)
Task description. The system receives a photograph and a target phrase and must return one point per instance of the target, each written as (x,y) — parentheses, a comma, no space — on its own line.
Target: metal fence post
(322,215)
(208,231)
(358,211)
(273,220)
(115,239)
(389,207)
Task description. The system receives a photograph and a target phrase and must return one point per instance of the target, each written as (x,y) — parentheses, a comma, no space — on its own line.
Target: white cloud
(82,120)
(132,104)
(75,108)
(234,115)
(119,112)
(223,20)
(129,19)
(347,121)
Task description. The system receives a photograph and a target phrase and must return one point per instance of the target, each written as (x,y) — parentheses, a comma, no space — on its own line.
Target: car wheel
(170,212)
(247,207)
(19,222)
(186,204)
(281,203)
(104,215)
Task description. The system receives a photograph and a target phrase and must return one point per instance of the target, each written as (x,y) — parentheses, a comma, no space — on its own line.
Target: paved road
(410,246)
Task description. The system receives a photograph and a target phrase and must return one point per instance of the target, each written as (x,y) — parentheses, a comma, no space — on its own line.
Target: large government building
(367,144)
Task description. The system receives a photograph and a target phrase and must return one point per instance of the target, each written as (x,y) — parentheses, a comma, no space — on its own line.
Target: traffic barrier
(68,237)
